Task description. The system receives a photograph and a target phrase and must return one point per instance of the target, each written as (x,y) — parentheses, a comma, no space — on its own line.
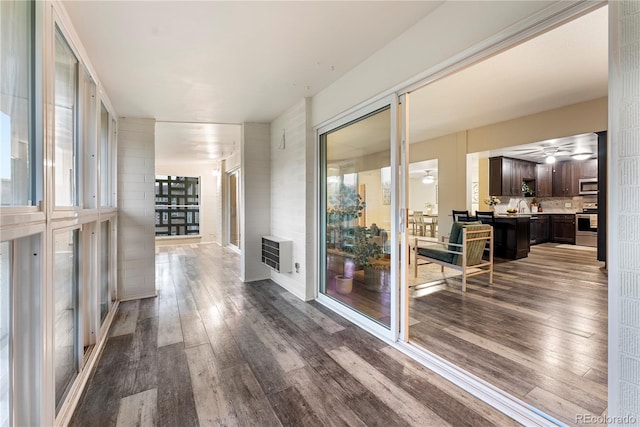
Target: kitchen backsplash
(549,204)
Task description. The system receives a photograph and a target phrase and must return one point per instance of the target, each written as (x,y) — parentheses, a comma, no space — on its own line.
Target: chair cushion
(436,252)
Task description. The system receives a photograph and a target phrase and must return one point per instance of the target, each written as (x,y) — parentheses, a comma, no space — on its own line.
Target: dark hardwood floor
(211,350)
(539,333)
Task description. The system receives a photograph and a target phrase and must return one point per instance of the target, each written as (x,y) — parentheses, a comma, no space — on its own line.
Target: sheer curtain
(15,87)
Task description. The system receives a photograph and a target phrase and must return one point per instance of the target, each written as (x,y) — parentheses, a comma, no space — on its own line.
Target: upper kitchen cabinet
(544,179)
(588,168)
(506,176)
(566,176)
(565,179)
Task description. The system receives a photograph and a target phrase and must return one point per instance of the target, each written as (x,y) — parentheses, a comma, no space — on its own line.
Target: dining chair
(490,215)
(419,223)
(461,216)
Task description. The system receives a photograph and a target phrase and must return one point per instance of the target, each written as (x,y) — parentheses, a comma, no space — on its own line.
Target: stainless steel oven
(587,229)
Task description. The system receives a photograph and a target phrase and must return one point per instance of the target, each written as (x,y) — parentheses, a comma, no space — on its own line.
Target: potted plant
(526,190)
(492,202)
(343,208)
(360,251)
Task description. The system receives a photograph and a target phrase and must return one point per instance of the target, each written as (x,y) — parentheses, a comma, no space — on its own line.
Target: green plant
(344,206)
(363,249)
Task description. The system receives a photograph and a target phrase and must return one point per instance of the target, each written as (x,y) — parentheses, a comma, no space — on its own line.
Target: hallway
(211,350)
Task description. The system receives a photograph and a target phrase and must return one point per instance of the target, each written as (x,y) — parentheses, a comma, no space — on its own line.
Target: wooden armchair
(464,251)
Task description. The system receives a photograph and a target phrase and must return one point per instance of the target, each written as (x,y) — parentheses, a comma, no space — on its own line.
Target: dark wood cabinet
(511,236)
(565,179)
(539,229)
(587,168)
(506,176)
(544,179)
(563,229)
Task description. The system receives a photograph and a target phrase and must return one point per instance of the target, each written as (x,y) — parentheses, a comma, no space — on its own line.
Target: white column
(624,213)
(136,209)
(255,212)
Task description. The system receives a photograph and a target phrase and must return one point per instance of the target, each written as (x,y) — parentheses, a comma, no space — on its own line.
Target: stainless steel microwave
(588,186)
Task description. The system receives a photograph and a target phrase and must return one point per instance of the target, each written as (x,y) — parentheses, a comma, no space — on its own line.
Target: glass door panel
(66,312)
(357,215)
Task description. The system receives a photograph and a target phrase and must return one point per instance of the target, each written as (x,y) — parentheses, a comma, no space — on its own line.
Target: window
(177,206)
(5,334)
(16,136)
(105,158)
(65,289)
(66,93)
(20,331)
(105,269)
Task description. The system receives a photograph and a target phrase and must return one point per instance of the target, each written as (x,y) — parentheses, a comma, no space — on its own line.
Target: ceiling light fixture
(550,152)
(581,156)
(428,178)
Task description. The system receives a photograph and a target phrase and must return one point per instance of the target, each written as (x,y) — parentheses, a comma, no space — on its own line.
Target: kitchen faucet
(521,210)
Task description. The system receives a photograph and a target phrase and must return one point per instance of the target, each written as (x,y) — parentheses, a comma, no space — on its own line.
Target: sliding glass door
(357,215)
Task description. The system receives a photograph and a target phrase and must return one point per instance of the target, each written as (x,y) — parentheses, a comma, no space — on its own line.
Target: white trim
(403,332)
(396,220)
(355,317)
(139,296)
(502,401)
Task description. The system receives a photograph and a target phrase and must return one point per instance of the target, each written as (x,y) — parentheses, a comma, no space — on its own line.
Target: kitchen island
(511,235)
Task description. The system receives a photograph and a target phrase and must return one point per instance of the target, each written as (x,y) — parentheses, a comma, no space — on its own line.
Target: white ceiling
(230,62)
(211,64)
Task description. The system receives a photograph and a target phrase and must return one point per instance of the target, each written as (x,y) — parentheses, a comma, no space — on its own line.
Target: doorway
(539,331)
(233,209)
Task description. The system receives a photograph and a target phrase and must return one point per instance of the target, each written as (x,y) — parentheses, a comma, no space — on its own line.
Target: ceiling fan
(428,178)
(548,152)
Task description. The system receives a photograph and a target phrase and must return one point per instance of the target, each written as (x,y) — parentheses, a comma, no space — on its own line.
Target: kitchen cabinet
(511,236)
(539,229)
(506,176)
(563,229)
(566,176)
(587,168)
(544,179)
(565,179)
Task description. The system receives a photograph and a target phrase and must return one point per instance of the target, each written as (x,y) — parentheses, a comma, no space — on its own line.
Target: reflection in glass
(357,215)
(66,307)
(105,276)
(5,333)
(15,103)
(66,83)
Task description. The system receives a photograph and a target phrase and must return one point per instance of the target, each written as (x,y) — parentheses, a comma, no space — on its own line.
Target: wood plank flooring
(211,350)
(539,333)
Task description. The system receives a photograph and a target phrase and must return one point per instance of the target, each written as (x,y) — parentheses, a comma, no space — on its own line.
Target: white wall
(290,214)
(255,196)
(208,173)
(136,208)
(449,30)
(624,212)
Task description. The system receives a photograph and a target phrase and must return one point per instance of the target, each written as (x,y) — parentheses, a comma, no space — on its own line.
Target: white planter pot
(344,285)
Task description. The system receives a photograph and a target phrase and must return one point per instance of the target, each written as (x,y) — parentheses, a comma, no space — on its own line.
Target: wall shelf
(277,253)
